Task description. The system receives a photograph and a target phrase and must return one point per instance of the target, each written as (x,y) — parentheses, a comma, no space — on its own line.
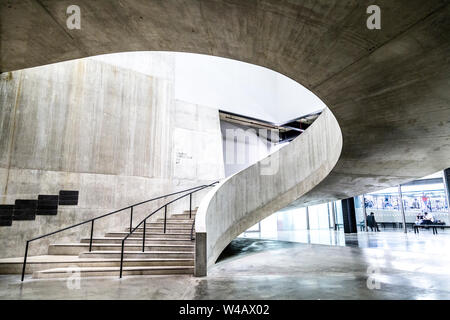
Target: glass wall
(293,219)
(424,195)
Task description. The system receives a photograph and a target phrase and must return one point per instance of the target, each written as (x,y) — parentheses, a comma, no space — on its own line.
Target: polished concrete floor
(385,265)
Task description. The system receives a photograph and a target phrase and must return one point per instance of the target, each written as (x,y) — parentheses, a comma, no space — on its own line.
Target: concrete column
(333,215)
(446,178)
(365,211)
(200,264)
(307,218)
(349,215)
(402,209)
(329,219)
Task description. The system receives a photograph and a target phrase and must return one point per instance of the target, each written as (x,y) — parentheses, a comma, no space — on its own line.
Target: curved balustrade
(265,187)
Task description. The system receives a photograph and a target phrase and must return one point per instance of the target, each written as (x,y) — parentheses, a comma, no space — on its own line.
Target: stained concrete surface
(268,269)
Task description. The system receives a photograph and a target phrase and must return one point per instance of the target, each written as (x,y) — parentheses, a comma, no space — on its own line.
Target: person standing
(372,223)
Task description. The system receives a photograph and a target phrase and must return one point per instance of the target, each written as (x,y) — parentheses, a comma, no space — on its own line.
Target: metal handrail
(144,221)
(96,218)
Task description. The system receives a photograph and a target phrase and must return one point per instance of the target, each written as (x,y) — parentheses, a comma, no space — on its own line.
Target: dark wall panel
(47,205)
(68,198)
(6,215)
(25,210)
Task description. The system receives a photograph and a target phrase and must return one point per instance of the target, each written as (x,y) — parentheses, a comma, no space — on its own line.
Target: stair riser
(16,268)
(139,255)
(63,275)
(76,250)
(138,241)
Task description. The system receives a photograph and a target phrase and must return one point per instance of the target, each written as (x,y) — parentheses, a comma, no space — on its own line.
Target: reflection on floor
(243,246)
(383,265)
(395,239)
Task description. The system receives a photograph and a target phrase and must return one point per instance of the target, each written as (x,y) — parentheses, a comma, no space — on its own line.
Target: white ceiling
(225,84)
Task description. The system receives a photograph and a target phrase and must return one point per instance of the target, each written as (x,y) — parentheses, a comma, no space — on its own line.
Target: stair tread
(136,238)
(120,245)
(136,252)
(153,233)
(187,227)
(179,221)
(173,221)
(97,269)
(75,259)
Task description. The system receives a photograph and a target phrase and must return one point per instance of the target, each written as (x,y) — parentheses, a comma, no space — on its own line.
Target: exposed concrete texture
(387,88)
(252,194)
(111,133)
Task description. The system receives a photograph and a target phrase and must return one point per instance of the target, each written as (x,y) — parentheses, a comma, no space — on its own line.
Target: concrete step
(133,240)
(138,254)
(188,221)
(182,216)
(187,230)
(112,271)
(148,235)
(38,263)
(77,248)
(170,224)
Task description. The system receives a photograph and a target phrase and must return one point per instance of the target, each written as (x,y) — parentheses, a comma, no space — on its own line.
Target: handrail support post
(92,233)
(131,219)
(121,259)
(190,205)
(25,260)
(165,218)
(143,238)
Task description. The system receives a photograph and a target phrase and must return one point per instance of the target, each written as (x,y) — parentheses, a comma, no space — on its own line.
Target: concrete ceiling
(388,88)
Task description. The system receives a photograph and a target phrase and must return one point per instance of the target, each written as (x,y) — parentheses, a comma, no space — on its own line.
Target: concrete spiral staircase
(165,253)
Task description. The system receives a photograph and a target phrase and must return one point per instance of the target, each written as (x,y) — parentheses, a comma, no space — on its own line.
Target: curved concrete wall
(265,187)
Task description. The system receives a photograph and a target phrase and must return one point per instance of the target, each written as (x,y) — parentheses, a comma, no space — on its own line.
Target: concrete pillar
(446,178)
(402,209)
(201,263)
(329,218)
(365,212)
(333,214)
(349,215)
(307,218)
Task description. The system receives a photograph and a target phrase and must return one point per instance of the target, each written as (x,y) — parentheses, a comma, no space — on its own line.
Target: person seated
(419,218)
(428,217)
